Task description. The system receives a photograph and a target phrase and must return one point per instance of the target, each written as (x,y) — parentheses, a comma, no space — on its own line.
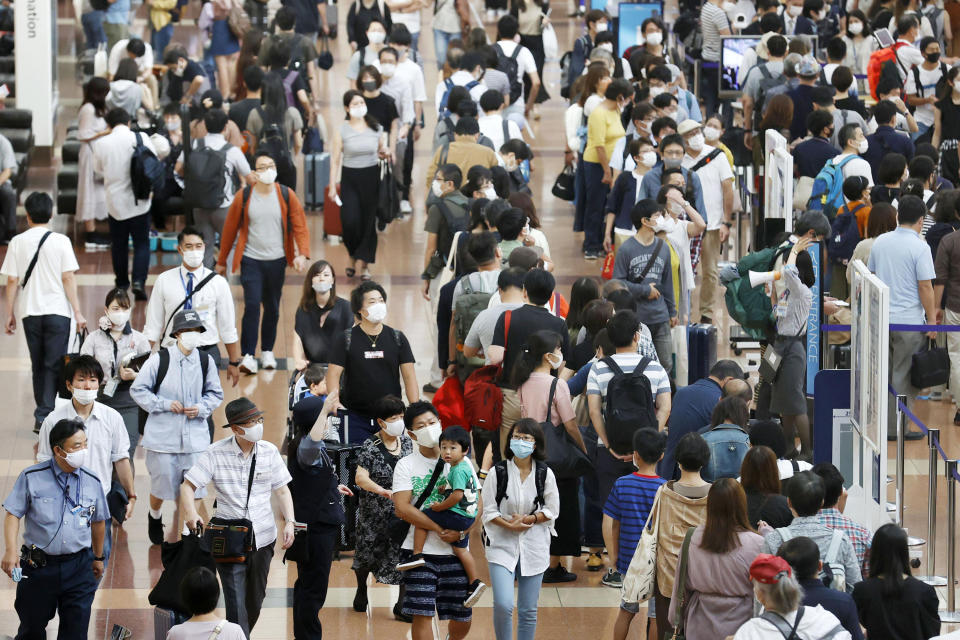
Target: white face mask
(794,11)
(321,287)
(193,258)
(554,359)
(822,15)
(862,146)
(376,37)
(655,91)
(254,433)
(437,188)
(601,26)
(173,125)
(358,111)
(84,396)
(394,428)
(77,459)
(711,133)
(654,38)
(267,176)
(696,142)
(429,436)
(387,70)
(665,223)
(606,46)
(118,318)
(671,114)
(648,159)
(489,193)
(190,340)
(377,312)
(856,28)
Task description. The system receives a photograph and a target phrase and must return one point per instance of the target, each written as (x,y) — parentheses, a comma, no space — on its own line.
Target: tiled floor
(584,608)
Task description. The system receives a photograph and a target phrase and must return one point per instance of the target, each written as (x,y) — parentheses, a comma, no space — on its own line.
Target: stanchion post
(951,615)
(901,431)
(931,578)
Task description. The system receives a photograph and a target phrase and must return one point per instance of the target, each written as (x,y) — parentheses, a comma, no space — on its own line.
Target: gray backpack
(833,573)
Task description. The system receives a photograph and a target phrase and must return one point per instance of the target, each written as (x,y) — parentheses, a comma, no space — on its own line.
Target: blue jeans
(441,39)
(528,591)
(262,282)
(595,198)
(137,227)
(47,340)
(160,39)
(93,32)
(415,41)
(921,129)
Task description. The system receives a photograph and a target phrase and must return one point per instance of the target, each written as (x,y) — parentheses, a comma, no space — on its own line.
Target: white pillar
(35,49)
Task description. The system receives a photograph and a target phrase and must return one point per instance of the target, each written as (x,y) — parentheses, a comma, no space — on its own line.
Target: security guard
(61,560)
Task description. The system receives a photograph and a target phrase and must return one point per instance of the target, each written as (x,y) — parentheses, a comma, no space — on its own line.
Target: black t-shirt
(851,103)
(581,354)
(372,366)
(240,110)
(949,118)
(524,321)
(317,338)
(307,16)
(383,108)
(881,193)
(176,85)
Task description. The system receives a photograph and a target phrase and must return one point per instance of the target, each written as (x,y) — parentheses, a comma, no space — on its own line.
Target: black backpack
(844,235)
(162,366)
(273,140)
(146,171)
(629,405)
(205,176)
(508,65)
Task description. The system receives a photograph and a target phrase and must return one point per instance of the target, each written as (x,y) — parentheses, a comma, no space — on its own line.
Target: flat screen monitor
(732,50)
(632,15)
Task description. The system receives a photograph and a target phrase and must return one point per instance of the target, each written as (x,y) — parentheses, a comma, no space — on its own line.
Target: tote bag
(641,580)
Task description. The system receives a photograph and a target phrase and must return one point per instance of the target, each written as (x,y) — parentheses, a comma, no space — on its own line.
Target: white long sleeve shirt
(214,303)
(111,159)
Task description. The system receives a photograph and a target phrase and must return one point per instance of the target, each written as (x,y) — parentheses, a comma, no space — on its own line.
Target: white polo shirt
(712,175)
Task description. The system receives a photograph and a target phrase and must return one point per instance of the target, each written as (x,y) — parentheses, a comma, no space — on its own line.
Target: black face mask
(369,85)
(932,57)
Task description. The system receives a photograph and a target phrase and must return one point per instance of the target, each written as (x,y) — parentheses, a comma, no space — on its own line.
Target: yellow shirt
(675,268)
(160,15)
(603,129)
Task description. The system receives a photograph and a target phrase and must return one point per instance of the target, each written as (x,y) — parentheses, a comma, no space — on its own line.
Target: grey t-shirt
(481,331)
(497,80)
(265,235)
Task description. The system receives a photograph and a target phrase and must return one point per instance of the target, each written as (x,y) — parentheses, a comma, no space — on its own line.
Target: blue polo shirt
(811,155)
(886,140)
(901,258)
(692,406)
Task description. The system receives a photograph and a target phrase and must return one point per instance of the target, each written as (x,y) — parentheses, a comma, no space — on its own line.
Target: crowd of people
(560,425)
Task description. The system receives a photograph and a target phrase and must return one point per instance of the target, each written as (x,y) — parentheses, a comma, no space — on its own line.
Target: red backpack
(482,397)
(880,58)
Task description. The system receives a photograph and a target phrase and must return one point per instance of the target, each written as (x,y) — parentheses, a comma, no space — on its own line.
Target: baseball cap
(768,569)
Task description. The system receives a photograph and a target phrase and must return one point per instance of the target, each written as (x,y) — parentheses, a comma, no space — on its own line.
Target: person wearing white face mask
(367,362)
(321,316)
(179,388)
(108,448)
(113,345)
(360,18)
(623,196)
(270,228)
(376,553)
(64,510)
(247,471)
(368,53)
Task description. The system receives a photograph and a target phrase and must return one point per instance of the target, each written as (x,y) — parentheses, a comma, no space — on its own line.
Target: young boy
(308,406)
(457,511)
(626,512)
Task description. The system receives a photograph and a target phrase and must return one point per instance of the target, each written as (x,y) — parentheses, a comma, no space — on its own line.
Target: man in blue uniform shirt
(64,509)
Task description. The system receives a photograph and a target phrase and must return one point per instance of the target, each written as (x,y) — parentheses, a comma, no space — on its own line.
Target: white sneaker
(267,360)
(248,364)
(405,207)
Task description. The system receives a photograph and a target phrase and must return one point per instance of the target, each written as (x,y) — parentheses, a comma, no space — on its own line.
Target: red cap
(768,569)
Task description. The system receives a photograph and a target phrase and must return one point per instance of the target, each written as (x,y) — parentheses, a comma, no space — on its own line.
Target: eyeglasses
(248,425)
(525,437)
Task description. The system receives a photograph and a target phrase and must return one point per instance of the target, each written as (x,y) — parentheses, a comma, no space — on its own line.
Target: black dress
(317,333)
(949,137)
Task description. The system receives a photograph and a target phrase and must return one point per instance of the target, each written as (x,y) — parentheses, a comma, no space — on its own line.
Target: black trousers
(65,586)
(310,589)
(360,193)
(608,470)
(47,340)
(137,227)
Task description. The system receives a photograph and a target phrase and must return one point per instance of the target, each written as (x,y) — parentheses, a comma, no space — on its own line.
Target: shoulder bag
(230,540)
(678,629)
(564,457)
(640,582)
(399,528)
(33,261)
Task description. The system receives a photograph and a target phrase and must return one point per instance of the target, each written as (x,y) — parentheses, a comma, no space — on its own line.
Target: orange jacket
(233,230)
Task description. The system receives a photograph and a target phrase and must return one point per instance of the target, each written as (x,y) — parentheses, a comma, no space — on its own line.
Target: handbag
(564,457)
(177,558)
(640,582)
(450,267)
(551,48)
(299,551)
(930,367)
(448,401)
(770,363)
(563,186)
(678,629)
(229,540)
(399,528)
(325,57)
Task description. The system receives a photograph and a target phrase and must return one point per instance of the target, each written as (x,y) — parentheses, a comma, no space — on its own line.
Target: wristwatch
(728,225)
(234,363)
(100,559)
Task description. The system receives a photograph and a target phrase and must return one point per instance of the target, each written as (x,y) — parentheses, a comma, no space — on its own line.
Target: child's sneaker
(612,578)
(416,560)
(473,593)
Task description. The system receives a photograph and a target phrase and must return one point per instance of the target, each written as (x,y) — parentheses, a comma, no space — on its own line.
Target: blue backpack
(827,194)
(147,173)
(844,235)
(444,112)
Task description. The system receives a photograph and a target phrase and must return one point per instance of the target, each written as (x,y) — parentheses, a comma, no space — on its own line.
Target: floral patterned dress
(374,550)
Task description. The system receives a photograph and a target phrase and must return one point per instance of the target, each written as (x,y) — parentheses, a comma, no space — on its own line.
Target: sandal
(365,275)
(350,271)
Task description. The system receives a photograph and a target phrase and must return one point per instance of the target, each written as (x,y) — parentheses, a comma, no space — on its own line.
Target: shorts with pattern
(438,586)
(166,473)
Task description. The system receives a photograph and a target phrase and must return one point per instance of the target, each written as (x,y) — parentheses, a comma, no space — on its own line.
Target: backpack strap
(162,366)
(33,261)
(916,80)
(833,551)
(641,367)
(763,70)
(539,481)
(612,365)
(705,161)
(506,129)
(501,470)
(786,630)
(444,151)
(516,52)
(626,150)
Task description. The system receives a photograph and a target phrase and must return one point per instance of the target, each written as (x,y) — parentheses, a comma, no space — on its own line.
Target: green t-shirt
(461,477)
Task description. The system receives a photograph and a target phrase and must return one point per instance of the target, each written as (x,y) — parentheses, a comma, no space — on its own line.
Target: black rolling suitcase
(316,176)
(345,459)
(702,349)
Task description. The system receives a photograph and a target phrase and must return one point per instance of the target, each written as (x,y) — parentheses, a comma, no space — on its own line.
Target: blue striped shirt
(630,502)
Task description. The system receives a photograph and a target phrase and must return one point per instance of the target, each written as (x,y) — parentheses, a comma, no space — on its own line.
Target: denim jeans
(662,340)
(441,39)
(160,39)
(415,41)
(244,587)
(528,592)
(47,340)
(262,282)
(93,32)
(595,198)
(921,129)
(137,227)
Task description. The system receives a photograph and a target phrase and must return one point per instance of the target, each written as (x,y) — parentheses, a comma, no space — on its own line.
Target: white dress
(91,197)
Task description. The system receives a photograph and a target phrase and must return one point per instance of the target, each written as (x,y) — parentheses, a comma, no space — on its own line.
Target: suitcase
(331,217)
(316,176)
(345,460)
(702,350)
(163,620)
(332,18)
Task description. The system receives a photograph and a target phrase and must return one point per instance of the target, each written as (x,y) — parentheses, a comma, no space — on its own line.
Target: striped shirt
(630,502)
(712,20)
(224,464)
(600,374)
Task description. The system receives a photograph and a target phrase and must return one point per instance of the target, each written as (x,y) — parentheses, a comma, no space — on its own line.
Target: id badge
(110,387)
(373,355)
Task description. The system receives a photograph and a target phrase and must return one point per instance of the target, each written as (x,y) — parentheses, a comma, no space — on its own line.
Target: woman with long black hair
(544,397)
(274,111)
(358,145)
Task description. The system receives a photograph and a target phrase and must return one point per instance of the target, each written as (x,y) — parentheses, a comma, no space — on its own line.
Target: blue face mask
(521,448)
